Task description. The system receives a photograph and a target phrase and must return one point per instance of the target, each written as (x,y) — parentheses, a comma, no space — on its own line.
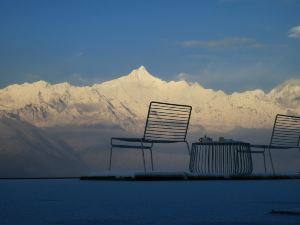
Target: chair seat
(131,146)
(146,140)
(128,139)
(271,147)
(163,141)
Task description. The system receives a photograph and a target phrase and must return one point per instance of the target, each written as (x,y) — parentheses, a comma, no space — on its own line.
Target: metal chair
(285,135)
(166,123)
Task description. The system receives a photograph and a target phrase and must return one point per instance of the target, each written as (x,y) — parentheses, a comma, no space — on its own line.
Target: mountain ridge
(124,102)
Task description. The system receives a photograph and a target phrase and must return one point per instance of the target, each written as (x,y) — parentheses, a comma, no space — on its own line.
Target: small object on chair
(221,139)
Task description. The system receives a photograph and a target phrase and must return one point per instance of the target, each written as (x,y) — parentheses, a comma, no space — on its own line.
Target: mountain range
(124,101)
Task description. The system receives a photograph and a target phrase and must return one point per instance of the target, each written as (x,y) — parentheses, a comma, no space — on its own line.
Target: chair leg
(110,156)
(151,159)
(188,147)
(271,161)
(143,155)
(265,162)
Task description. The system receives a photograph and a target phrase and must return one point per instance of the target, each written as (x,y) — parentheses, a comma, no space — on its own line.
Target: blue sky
(226,44)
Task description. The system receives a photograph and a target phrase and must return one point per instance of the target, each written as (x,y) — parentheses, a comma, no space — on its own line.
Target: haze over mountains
(124,101)
(28,151)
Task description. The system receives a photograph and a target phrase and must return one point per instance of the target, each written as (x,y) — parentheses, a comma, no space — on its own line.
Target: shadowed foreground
(78,202)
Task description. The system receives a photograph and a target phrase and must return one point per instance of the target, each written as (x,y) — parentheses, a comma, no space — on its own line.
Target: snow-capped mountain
(124,102)
(287,94)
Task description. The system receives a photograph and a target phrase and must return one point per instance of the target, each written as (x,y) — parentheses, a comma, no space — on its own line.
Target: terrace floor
(181,176)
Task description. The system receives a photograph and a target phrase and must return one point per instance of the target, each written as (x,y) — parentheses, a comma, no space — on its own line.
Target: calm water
(78,202)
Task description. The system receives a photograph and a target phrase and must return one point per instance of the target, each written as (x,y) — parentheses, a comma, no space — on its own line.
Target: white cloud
(79,54)
(294,32)
(223,43)
(183,76)
(84,80)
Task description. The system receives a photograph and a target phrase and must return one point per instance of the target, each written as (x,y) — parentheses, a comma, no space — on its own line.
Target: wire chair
(285,135)
(166,123)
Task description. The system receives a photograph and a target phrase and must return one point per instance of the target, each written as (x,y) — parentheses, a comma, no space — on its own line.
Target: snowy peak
(141,74)
(289,85)
(136,78)
(289,88)
(287,94)
(140,71)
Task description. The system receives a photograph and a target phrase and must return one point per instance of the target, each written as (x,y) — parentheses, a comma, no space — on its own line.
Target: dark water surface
(66,202)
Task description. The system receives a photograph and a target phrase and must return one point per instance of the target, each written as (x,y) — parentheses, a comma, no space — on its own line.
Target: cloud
(78,79)
(79,54)
(223,43)
(222,75)
(183,76)
(83,80)
(32,77)
(294,32)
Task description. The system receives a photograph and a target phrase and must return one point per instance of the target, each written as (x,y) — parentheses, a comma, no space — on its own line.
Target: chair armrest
(120,140)
(117,142)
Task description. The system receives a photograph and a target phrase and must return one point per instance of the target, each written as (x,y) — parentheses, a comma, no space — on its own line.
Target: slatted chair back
(167,122)
(286,132)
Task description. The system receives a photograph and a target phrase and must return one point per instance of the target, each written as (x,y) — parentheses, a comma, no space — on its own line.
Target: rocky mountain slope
(28,151)
(124,101)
